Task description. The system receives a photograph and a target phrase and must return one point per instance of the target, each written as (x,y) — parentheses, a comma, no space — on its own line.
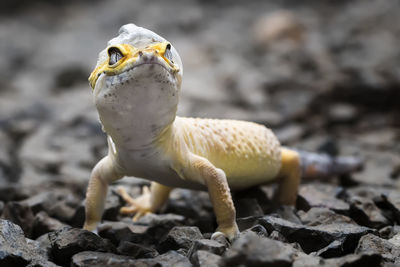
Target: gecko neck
(137,114)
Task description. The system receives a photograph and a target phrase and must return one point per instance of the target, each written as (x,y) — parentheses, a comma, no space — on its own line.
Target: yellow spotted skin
(247,152)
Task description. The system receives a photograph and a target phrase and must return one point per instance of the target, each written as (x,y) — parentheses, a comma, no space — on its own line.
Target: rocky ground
(324,76)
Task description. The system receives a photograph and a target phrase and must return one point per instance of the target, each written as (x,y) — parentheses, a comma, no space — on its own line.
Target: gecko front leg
(102,175)
(150,201)
(215,179)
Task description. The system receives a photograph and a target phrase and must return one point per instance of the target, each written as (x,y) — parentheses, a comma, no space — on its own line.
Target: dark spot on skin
(143,155)
(173,94)
(140,53)
(154,127)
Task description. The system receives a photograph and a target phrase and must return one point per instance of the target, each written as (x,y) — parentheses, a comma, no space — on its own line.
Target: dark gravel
(324,75)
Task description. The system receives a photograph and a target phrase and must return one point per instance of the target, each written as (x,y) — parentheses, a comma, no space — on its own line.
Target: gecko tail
(319,166)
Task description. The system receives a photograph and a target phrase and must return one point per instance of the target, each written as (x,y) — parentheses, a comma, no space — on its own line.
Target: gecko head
(136,84)
(139,55)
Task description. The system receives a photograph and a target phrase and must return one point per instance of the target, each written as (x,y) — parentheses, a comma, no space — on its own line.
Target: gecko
(136,86)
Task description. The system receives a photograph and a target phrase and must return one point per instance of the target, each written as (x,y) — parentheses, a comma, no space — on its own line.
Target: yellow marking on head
(130,55)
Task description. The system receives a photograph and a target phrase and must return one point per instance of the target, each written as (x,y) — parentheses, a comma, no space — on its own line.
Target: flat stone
(355,260)
(58,203)
(112,206)
(92,258)
(365,212)
(374,244)
(118,232)
(68,241)
(173,258)
(180,237)
(211,246)
(43,223)
(320,216)
(136,250)
(305,260)
(202,258)
(160,224)
(322,196)
(333,250)
(252,250)
(247,207)
(313,238)
(195,206)
(20,214)
(16,250)
(259,230)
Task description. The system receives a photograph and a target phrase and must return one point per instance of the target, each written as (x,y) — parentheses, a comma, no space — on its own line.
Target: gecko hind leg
(150,201)
(289,177)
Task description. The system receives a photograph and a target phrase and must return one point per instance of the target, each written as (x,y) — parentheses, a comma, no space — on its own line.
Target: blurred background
(324,75)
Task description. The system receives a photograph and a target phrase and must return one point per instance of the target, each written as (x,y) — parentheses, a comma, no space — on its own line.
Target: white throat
(136,107)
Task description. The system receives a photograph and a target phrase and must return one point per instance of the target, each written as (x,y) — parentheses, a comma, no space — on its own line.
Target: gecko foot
(229,234)
(139,206)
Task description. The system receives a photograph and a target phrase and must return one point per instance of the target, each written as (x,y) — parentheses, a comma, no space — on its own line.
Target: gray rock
(364,211)
(275,235)
(195,206)
(322,195)
(43,224)
(20,214)
(112,206)
(211,246)
(247,207)
(173,258)
(389,231)
(68,241)
(252,250)
(57,203)
(118,232)
(333,250)
(180,237)
(287,213)
(45,244)
(259,230)
(321,216)
(202,258)
(16,250)
(136,250)
(1,207)
(160,224)
(305,260)
(369,259)
(91,258)
(373,244)
(313,238)
(342,113)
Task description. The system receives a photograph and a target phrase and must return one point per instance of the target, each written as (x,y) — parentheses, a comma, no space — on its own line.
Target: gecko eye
(167,53)
(115,55)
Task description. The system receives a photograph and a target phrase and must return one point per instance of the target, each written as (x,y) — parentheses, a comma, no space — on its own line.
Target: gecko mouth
(123,76)
(156,71)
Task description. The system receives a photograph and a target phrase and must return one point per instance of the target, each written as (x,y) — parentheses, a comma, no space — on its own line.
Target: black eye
(115,55)
(167,53)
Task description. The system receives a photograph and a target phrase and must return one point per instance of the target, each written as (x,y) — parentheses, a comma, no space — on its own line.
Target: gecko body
(136,86)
